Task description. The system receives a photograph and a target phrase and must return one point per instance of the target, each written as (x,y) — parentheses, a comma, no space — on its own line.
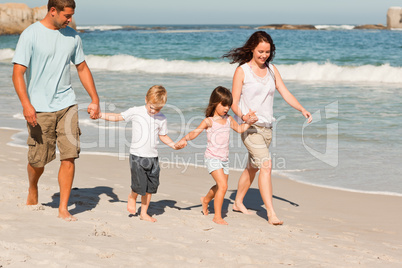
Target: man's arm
(21,89)
(87,81)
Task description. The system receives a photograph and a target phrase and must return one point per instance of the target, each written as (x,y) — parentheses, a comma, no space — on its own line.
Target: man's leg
(66,177)
(33,177)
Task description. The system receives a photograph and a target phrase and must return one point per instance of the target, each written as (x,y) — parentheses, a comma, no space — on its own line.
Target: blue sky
(258,12)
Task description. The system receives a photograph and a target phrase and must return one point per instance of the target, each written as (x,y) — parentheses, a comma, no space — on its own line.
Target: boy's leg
(145,200)
(33,177)
(222,185)
(132,202)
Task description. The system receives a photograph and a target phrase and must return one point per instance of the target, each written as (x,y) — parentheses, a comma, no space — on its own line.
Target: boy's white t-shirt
(145,130)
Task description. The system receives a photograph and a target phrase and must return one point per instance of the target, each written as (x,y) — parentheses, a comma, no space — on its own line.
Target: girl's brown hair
(219,95)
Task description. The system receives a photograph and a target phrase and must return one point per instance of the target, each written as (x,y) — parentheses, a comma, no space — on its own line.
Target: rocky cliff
(14,18)
(394,18)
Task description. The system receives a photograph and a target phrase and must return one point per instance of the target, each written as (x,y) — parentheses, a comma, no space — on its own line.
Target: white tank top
(257,94)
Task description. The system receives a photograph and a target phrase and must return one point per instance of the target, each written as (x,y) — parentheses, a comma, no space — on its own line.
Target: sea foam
(6,54)
(298,72)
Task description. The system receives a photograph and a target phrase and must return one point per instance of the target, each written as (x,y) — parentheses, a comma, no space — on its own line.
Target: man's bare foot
(239,207)
(220,221)
(32,198)
(65,215)
(146,217)
(204,206)
(131,205)
(273,219)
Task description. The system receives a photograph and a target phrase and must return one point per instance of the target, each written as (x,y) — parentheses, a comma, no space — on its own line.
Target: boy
(147,124)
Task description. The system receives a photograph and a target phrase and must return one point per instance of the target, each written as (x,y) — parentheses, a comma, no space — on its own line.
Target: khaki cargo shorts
(257,140)
(61,127)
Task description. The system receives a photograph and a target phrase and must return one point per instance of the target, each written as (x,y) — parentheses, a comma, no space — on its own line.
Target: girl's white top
(257,94)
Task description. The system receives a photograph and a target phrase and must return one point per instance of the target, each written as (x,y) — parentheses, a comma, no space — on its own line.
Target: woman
(254,84)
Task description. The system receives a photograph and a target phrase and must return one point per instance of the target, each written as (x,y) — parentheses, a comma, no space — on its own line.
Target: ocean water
(350,80)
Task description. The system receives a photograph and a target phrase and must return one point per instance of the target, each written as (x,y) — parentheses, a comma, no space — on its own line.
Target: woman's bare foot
(146,217)
(131,204)
(239,207)
(204,206)
(273,219)
(65,215)
(220,221)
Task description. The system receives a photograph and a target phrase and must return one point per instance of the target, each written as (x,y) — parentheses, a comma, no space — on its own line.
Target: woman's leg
(245,181)
(265,186)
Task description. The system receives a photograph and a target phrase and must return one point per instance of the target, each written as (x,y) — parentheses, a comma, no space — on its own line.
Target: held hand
(307,115)
(30,115)
(93,110)
(180,144)
(250,118)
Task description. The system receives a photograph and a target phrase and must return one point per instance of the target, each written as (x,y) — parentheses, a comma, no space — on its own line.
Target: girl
(217,124)
(254,84)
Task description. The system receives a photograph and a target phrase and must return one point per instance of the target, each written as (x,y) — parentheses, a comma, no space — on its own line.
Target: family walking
(43,55)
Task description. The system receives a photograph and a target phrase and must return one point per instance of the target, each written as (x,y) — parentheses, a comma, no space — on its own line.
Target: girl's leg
(132,202)
(245,181)
(207,198)
(221,188)
(145,200)
(265,186)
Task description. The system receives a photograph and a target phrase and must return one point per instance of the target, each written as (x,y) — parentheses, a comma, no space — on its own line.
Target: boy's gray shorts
(144,174)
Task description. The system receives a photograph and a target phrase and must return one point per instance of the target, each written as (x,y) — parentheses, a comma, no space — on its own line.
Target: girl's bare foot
(220,221)
(131,205)
(239,207)
(146,217)
(65,215)
(204,206)
(273,219)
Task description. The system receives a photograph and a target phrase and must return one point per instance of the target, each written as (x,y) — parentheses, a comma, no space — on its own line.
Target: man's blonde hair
(157,95)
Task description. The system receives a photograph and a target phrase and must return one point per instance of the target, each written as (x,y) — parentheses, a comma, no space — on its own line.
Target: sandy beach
(323,227)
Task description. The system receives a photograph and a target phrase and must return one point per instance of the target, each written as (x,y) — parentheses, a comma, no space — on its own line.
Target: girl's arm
(168,141)
(111,117)
(193,134)
(243,127)
(288,97)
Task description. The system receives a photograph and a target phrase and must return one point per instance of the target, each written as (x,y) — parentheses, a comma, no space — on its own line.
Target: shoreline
(323,227)
(275,173)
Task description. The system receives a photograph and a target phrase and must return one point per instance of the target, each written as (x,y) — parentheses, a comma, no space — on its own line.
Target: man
(44,52)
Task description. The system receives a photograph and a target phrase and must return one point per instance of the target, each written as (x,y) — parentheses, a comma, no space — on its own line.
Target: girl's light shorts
(215,164)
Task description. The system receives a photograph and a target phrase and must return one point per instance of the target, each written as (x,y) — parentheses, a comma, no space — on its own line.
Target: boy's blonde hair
(157,95)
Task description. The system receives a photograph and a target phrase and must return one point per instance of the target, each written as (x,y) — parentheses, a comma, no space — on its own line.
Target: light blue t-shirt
(47,54)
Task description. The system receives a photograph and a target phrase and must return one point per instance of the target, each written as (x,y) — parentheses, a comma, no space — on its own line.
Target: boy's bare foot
(65,215)
(220,221)
(32,198)
(146,217)
(273,219)
(131,205)
(239,207)
(204,206)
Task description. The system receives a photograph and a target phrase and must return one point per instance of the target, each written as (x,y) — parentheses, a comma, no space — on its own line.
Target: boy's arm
(243,127)
(111,117)
(168,141)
